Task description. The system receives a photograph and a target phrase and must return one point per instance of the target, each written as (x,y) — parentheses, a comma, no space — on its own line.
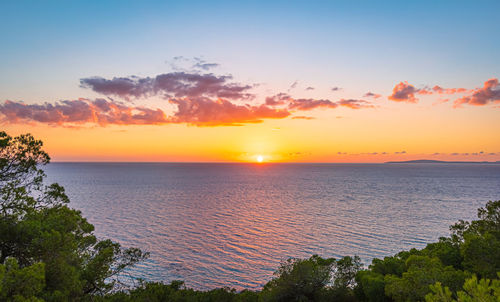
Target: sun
(260,158)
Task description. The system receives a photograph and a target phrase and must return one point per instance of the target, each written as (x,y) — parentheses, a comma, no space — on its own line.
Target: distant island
(431,161)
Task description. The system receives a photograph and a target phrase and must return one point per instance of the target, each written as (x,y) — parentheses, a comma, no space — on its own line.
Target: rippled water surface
(219,225)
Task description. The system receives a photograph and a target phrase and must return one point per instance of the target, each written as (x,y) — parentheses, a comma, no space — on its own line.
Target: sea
(231,224)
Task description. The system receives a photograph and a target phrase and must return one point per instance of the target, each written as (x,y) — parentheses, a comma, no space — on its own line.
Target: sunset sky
(224,81)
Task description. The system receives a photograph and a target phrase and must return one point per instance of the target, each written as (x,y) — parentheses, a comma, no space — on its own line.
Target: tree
(300,280)
(422,271)
(39,230)
(479,241)
(484,290)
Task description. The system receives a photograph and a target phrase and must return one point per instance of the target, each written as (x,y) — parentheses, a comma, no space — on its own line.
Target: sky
(229,81)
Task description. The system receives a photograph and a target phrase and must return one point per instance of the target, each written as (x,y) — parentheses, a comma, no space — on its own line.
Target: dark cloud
(310,104)
(310,88)
(489,93)
(355,104)
(370,94)
(336,88)
(278,99)
(176,84)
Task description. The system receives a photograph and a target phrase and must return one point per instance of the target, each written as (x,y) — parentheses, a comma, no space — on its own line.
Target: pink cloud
(404,92)
(194,111)
(489,93)
(99,111)
(440,90)
(206,112)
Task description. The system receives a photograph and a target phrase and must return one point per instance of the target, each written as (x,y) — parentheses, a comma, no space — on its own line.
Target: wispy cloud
(303,117)
(305,104)
(355,104)
(203,65)
(294,84)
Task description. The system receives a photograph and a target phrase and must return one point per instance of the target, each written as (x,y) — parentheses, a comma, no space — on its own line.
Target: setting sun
(260,158)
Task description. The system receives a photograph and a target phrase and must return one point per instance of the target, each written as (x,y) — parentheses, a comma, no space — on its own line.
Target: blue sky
(49,45)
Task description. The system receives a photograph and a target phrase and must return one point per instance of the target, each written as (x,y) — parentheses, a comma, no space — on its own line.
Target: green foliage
(41,236)
(300,280)
(313,279)
(484,290)
(479,241)
(21,284)
(421,272)
(370,286)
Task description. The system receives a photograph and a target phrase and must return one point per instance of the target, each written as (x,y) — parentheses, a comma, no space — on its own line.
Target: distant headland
(431,161)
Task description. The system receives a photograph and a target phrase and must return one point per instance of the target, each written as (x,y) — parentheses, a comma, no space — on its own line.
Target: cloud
(336,89)
(355,104)
(294,84)
(303,117)
(297,104)
(278,99)
(195,64)
(404,92)
(309,104)
(310,88)
(489,93)
(202,111)
(203,65)
(82,111)
(194,111)
(440,90)
(371,95)
(282,99)
(174,84)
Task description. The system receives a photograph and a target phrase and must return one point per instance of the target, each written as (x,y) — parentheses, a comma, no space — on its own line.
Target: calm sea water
(219,225)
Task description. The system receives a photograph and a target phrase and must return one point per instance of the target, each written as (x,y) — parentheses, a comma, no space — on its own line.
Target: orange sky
(402,131)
